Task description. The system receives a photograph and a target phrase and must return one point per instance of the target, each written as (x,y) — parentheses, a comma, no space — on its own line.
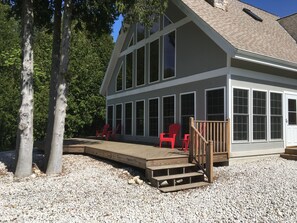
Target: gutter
(264,60)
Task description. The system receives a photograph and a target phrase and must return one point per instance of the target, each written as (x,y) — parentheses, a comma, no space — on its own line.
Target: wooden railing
(206,139)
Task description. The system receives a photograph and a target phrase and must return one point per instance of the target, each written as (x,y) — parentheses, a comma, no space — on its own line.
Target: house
(211,60)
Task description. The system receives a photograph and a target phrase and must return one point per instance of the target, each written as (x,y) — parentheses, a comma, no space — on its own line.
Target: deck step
(173,166)
(178,176)
(291,151)
(183,187)
(289,156)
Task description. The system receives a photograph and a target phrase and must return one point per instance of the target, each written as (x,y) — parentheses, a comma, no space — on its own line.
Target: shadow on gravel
(8,158)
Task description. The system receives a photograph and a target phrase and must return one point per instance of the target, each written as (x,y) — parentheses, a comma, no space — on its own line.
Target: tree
(25,126)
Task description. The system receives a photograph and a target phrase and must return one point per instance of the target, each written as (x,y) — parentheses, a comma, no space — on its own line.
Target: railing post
(192,138)
(228,135)
(209,161)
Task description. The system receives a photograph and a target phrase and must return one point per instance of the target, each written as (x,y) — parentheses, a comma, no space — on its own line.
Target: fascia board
(113,61)
(265,60)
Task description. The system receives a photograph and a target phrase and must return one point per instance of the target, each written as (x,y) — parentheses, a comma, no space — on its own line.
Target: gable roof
(290,24)
(267,38)
(236,32)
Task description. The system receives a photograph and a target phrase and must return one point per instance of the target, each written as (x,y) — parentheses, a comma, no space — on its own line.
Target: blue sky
(280,8)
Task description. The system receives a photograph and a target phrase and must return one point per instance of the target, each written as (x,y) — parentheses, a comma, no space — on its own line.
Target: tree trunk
(55,158)
(54,76)
(25,126)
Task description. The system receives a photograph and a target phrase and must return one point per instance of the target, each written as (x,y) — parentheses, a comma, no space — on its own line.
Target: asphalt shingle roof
(267,38)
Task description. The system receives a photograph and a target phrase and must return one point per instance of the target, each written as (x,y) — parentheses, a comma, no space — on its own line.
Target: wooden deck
(141,156)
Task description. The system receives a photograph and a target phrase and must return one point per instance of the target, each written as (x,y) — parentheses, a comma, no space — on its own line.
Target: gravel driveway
(92,190)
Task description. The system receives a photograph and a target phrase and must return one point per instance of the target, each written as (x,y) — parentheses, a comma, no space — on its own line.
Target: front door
(291,120)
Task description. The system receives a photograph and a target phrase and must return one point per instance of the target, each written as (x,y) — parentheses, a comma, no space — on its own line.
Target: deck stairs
(175,177)
(290,153)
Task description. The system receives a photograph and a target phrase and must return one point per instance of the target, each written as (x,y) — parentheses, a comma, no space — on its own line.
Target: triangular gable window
(166,21)
(140,29)
(119,84)
(131,43)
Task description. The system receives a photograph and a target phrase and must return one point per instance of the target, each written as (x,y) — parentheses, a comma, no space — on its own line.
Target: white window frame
(133,71)
(180,103)
(116,82)
(283,117)
(122,116)
(163,55)
(136,63)
(149,62)
(225,99)
(144,113)
(232,115)
(159,109)
(132,123)
(252,115)
(167,96)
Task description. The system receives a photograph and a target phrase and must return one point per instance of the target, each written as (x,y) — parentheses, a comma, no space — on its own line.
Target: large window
(119,85)
(276,116)
(156,27)
(129,70)
(259,115)
(140,66)
(154,117)
(154,61)
(140,118)
(110,116)
(119,118)
(215,105)
(128,118)
(187,111)
(140,32)
(168,112)
(241,114)
(169,55)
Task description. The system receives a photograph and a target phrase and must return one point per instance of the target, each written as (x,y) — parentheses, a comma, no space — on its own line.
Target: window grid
(129,70)
(168,112)
(187,111)
(276,116)
(241,114)
(119,118)
(128,118)
(259,115)
(140,118)
(140,66)
(154,61)
(169,55)
(215,105)
(153,117)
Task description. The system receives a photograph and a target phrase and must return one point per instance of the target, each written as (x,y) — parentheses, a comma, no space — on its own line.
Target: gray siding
(198,87)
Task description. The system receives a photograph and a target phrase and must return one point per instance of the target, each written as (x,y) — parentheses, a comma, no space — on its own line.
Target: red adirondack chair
(186,142)
(170,136)
(113,133)
(103,132)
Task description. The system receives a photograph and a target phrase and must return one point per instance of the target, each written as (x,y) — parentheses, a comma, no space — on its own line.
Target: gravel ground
(92,190)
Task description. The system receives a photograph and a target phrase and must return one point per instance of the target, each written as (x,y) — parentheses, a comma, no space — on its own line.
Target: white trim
(113,115)
(159,116)
(122,116)
(265,60)
(164,15)
(283,111)
(262,76)
(172,83)
(133,72)
(142,100)
(156,35)
(249,107)
(132,113)
(136,65)
(205,100)
(167,96)
(252,116)
(163,55)
(116,82)
(149,63)
(180,103)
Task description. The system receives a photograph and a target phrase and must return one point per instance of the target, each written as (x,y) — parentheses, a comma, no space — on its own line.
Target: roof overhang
(265,60)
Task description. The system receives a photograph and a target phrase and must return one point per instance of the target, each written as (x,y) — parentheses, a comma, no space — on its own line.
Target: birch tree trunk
(54,76)
(55,158)
(25,127)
